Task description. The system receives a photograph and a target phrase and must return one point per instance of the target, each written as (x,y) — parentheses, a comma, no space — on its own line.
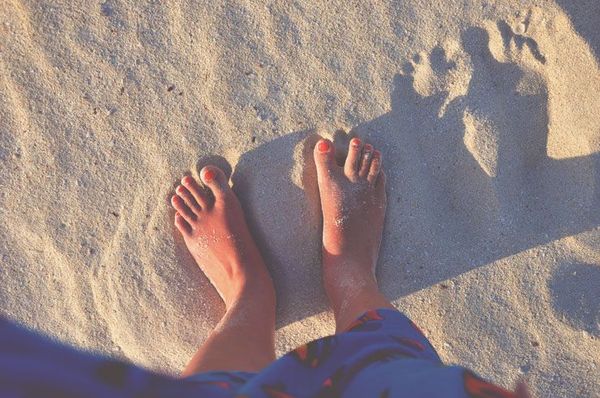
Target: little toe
(380,183)
(182,225)
(366,156)
(183,209)
(353,158)
(188,198)
(199,193)
(324,154)
(214,178)
(375,167)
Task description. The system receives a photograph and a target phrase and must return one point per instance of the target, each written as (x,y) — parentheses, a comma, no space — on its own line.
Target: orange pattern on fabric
(372,315)
(302,352)
(479,388)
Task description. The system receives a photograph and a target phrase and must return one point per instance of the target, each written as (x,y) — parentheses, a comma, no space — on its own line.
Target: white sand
(487,114)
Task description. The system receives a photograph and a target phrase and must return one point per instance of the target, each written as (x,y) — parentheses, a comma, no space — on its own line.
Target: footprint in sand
(487,142)
(444,69)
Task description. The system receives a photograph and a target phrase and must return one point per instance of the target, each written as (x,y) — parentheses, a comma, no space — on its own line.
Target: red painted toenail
(209,175)
(323,146)
(355,142)
(368,147)
(186,180)
(376,154)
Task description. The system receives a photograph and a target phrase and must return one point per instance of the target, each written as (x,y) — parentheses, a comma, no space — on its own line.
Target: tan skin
(353,202)
(216,234)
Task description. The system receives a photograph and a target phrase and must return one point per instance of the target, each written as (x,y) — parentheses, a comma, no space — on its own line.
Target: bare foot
(353,202)
(213,226)
(216,234)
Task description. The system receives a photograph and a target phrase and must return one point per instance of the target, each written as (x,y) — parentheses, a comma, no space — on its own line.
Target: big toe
(214,178)
(324,154)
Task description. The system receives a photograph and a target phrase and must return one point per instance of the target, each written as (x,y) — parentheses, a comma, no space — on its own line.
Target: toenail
(209,175)
(368,147)
(179,188)
(355,142)
(186,180)
(376,154)
(323,146)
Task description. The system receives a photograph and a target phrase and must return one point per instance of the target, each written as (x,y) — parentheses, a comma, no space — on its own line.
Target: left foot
(216,234)
(213,226)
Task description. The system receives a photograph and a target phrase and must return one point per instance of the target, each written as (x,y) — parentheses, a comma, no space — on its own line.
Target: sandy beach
(487,115)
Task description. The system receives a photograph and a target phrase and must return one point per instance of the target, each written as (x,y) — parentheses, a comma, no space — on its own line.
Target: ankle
(349,309)
(258,290)
(344,289)
(348,276)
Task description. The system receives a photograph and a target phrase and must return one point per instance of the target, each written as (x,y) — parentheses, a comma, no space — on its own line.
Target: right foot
(215,232)
(353,201)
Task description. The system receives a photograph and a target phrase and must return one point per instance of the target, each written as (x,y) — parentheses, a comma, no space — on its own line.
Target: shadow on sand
(583,14)
(446,214)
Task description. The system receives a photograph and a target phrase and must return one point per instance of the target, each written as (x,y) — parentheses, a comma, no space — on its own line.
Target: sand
(487,114)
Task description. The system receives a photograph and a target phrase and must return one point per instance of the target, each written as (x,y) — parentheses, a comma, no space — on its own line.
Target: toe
(353,158)
(182,225)
(183,209)
(214,178)
(367,154)
(196,190)
(324,154)
(375,167)
(188,198)
(380,183)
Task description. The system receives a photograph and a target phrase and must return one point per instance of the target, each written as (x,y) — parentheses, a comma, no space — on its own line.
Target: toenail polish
(355,142)
(368,147)
(209,175)
(323,146)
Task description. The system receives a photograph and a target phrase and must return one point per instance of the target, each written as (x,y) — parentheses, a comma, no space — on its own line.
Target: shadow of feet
(450,209)
(276,184)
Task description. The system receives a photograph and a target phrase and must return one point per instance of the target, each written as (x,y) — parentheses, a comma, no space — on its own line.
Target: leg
(353,202)
(212,223)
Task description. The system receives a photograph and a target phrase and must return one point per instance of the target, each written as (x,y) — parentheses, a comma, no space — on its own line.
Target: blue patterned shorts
(382,354)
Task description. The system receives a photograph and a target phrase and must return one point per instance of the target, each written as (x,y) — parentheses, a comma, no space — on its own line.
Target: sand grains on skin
(492,195)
